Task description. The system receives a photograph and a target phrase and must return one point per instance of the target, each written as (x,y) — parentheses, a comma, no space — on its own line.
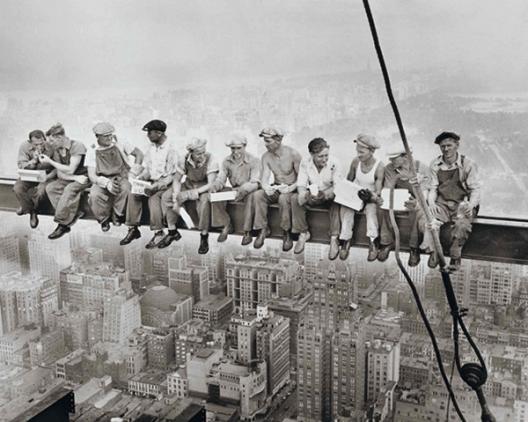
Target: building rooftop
(16,281)
(162,298)
(213,302)
(151,376)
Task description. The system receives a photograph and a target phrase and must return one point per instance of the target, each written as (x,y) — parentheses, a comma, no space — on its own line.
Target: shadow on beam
(493,239)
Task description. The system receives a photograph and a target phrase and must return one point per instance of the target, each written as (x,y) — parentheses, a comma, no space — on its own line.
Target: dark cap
(155,125)
(447,135)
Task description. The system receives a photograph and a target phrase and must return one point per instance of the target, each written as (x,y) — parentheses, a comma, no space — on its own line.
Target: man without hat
(454,194)
(397,175)
(366,171)
(282,162)
(31,194)
(243,172)
(315,187)
(201,170)
(159,166)
(65,192)
(108,169)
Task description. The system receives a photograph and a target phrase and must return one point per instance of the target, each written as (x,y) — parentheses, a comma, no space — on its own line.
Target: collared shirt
(238,173)
(392,176)
(160,160)
(70,148)
(281,164)
(28,151)
(125,148)
(468,175)
(310,175)
(185,162)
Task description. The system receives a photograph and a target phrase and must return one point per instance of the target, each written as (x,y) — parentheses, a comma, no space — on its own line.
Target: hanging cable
(473,374)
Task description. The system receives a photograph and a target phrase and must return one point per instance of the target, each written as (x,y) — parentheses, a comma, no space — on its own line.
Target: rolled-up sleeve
(472,182)
(433,173)
(254,170)
(24,157)
(212,166)
(302,177)
(172,162)
(222,175)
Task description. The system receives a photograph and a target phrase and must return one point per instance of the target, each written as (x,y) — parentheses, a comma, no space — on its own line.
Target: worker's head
(320,151)
(366,145)
(237,144)
(155,130)
(56,133)
(37,137)
(197,150)
(272,138)
(398,156)
(104,132)
(448,143)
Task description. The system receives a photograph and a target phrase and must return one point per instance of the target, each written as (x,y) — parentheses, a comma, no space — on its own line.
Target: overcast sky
(79,44)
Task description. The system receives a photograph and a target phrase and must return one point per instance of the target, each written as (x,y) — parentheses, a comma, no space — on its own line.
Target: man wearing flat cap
(243,172)
(282,162)
(315,188)
(201,170)
(31,194)
(397,175)
(454,194)
(159,167)
(65,192)
(366,171)
(108,168)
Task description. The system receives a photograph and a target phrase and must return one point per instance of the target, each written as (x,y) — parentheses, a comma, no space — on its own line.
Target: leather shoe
(373,251)
(334,248)
(414,257)
(246,239)
(259,240)
(303,238)
(222,237)
(454,264)
(59,232)
(384,252)
(133,233)
(153,243)
(287,241)
(33,220)
(172,236)
(19,211)
(432,262)
(105,225)
(345,249)
(204,244)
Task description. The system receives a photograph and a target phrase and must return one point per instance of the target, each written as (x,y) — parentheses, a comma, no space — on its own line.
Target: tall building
(121,316)
(246,337)
(47,349)
(187,279)
(198,369)
(161,306)
(383,366)
(491,283)
(160,348)
(252,281)
(9,254)
(215,310)
(48,257)
(159,262)
(313,253)
(134,260)
(109,243)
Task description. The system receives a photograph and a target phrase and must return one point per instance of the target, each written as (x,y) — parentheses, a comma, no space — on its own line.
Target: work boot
(20,211)
(287,241)
(246,239)
(259,240)
(33,220)
(172,236)
(133,233)
(384,252)
(60,231)
(153,243)
(118,220)
(222,237)
(414,257)
(105,225)
(345,250)
(333,251)
(204,244)
(454,264)
(373,250)
(303,238)
(455,251)
(432,262)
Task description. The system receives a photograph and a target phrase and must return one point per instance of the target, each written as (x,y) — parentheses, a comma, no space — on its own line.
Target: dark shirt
(68,149)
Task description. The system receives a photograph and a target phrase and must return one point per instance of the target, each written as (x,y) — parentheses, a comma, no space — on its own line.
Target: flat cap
(367,141)
(55,129)
(395,150)
(236,140)
(196,143)
(447,135)
(159,125)
(271,132)
(103,128)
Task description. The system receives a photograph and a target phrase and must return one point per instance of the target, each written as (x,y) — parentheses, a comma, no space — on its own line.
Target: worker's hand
(465,209)
(417,181)
(284,188)
(114,187)
(435,209)
(83,180)
(43,158)
(152,190)
(215,187)
(365,195)
(270,191)
(136,170)
(410,204)
(376,199)
(303,198)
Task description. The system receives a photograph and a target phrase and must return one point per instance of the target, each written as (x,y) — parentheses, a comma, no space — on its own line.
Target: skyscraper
(187,279)
(48,257)
(383,366)
(313,253)
(121,316)
(9,254)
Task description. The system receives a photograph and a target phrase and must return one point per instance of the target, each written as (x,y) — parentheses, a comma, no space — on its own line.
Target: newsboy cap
(236,140)
(271,132)
(196,143)
(394,151)
(447,135)
(155,125)
(103,128)
(367,141)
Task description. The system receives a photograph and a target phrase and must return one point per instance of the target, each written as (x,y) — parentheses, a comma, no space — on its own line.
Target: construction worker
(397,175)
(243,172)
(282,162)
(108,169)
(65,192)
(31,194)
(201,170)
(315,188)
(159,167)
(454,194)
(366,171)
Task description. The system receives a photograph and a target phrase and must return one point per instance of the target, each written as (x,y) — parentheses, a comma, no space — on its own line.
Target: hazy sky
(71,44)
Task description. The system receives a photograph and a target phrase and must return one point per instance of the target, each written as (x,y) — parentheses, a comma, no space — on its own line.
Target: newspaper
(346,193)
(138,186)
(400,197)
(223,196)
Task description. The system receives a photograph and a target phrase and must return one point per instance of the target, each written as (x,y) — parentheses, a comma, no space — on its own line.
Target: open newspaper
(346,193)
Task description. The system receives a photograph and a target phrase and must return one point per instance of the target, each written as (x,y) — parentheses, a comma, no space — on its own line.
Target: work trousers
(299,223)
(202,207)
(387,232)
(220,217)
(135,209)
(347,221)
(261,201)
(29,194)
(103,203)
(65,196)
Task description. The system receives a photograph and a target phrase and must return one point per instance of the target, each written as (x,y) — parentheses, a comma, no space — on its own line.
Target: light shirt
(238,173)
(160,160)
(310,175)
